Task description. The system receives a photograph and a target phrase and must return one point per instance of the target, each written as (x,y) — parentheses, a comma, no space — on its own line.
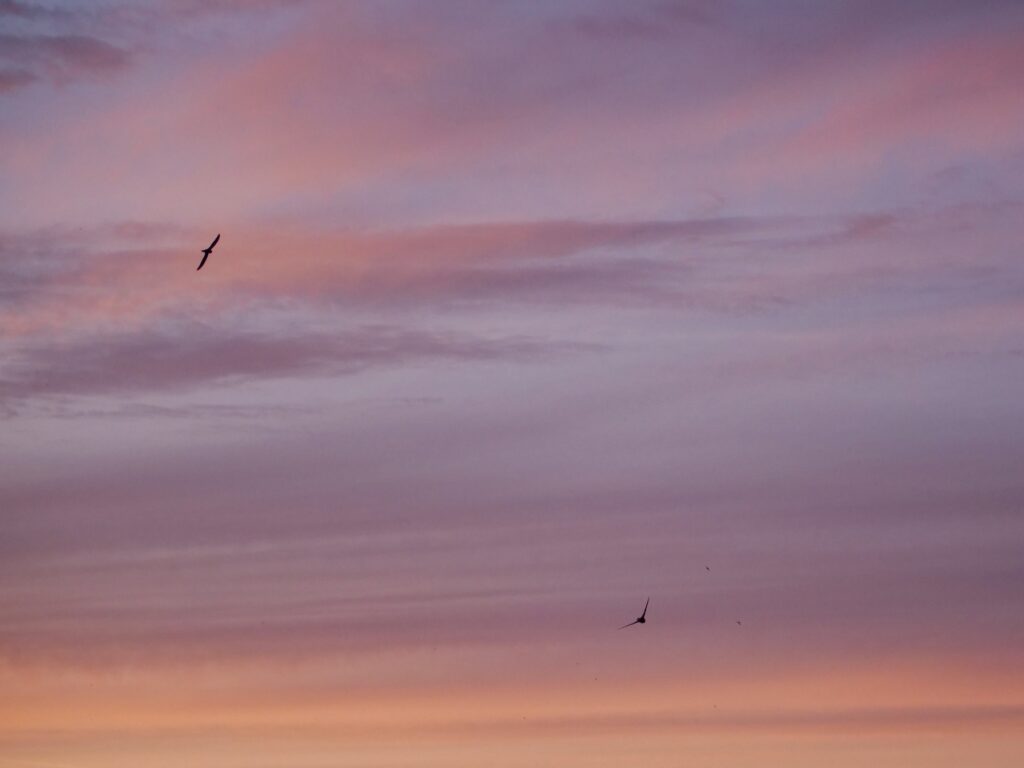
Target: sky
(522,313)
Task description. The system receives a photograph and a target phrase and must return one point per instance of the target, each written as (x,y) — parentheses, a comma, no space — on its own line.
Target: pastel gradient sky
(523,311)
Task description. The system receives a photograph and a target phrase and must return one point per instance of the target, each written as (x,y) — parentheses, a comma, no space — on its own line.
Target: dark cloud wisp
(152,361)
(57,58)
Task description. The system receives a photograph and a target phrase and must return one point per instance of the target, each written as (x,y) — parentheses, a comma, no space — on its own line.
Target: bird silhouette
(207,251)
(641,619)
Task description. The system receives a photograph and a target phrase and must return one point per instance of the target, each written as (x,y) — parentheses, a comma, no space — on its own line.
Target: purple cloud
(201,355)
(11,79)
(60,58)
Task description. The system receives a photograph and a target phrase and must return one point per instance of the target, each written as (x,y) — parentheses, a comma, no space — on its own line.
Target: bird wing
(206,255)
(642,615)
(215,241)
(628,625)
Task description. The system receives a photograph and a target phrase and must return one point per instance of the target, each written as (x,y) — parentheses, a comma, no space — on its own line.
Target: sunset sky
(522,312)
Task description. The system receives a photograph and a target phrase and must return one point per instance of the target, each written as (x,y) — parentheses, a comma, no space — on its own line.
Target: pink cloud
(955,95)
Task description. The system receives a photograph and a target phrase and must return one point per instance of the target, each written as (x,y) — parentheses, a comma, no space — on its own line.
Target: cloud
(158,362)
(17,8)
(133,272)
(59,58)
(335,109)
(353,590)
(62,44)
(129,274)
(653,21)
(10,79)
(185,9)
(881,719)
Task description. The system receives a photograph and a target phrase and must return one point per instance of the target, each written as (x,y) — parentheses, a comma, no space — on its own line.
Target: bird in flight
(207,251)
(642,619)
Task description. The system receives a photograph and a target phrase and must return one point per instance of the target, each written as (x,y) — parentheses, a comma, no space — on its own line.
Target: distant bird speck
(707,568)
(207,251)
(641,619)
